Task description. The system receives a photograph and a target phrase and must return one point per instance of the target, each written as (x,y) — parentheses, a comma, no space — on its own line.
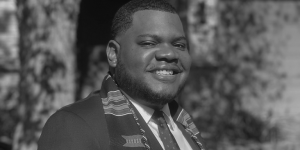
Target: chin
(165,89)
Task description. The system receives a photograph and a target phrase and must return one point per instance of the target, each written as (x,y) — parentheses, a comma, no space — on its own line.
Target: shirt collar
(147,112)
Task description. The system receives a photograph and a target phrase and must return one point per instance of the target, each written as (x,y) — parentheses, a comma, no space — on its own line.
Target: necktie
(164,132)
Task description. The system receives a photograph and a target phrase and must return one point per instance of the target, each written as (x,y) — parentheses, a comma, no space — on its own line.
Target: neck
(143,102)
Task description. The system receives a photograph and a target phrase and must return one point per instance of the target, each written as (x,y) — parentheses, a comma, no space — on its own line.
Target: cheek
(141,57)
(186,61)
(135,60)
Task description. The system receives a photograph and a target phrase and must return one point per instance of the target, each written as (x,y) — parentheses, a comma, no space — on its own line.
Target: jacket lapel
(187,136)
(152,141)
(186,125)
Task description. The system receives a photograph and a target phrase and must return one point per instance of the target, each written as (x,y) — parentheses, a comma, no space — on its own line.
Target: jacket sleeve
(67,131)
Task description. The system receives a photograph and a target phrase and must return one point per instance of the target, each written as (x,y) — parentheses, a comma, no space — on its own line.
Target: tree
(9,67)
(229,72)
(47,59)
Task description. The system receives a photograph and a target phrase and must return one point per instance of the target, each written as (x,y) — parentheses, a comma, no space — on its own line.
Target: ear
(112,50)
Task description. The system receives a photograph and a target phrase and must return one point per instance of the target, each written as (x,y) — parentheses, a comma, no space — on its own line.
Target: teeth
(164,72)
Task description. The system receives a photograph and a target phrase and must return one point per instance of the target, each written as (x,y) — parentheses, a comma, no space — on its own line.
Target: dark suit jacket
(78,126)
(82,126)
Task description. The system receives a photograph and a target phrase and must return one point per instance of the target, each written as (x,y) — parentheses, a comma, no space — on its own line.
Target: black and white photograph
(149,75)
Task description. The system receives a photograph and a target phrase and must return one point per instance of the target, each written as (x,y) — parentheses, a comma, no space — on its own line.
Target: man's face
(153,61)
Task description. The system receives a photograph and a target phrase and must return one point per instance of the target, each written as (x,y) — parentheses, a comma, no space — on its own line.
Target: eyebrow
(150,35)
(180,38)
(159,38)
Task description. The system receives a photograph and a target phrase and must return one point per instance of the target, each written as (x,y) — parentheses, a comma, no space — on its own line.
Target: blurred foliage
(8,76)
(5,18)
(92,67)
(234,71)
(44,80)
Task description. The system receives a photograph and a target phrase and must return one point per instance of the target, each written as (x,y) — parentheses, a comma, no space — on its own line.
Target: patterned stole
(128,130)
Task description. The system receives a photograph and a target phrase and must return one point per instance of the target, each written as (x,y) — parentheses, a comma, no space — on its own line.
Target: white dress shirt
(147,113)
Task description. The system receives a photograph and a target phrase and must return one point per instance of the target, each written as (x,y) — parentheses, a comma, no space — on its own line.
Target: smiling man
(135,109)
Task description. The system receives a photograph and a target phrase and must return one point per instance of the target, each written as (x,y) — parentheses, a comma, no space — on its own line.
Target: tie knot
(158,117)
(157,114)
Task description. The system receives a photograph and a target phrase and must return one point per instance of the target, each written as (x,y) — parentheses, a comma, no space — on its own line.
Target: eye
(147,44)
(180,45)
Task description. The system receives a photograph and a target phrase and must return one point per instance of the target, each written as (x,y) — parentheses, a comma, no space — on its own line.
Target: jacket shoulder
(90,109)
(82,118)
(86,107)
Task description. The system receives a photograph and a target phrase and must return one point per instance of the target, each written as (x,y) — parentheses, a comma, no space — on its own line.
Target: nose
(167,53)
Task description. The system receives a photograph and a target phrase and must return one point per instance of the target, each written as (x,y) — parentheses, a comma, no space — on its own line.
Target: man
(135,108)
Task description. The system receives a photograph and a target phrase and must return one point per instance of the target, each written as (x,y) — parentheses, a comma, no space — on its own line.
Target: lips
(165,73)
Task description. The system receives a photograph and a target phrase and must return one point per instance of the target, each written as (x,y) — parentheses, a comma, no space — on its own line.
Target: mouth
(165,72)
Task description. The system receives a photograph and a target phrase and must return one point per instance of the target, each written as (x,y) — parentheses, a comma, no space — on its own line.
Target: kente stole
(125,131)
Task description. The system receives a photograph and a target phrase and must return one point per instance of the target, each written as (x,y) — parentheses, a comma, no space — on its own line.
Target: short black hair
(123,17)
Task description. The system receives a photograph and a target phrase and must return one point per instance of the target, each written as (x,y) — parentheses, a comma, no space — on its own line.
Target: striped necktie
(164,132)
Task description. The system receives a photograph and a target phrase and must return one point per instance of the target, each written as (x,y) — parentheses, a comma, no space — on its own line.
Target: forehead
(156,22)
